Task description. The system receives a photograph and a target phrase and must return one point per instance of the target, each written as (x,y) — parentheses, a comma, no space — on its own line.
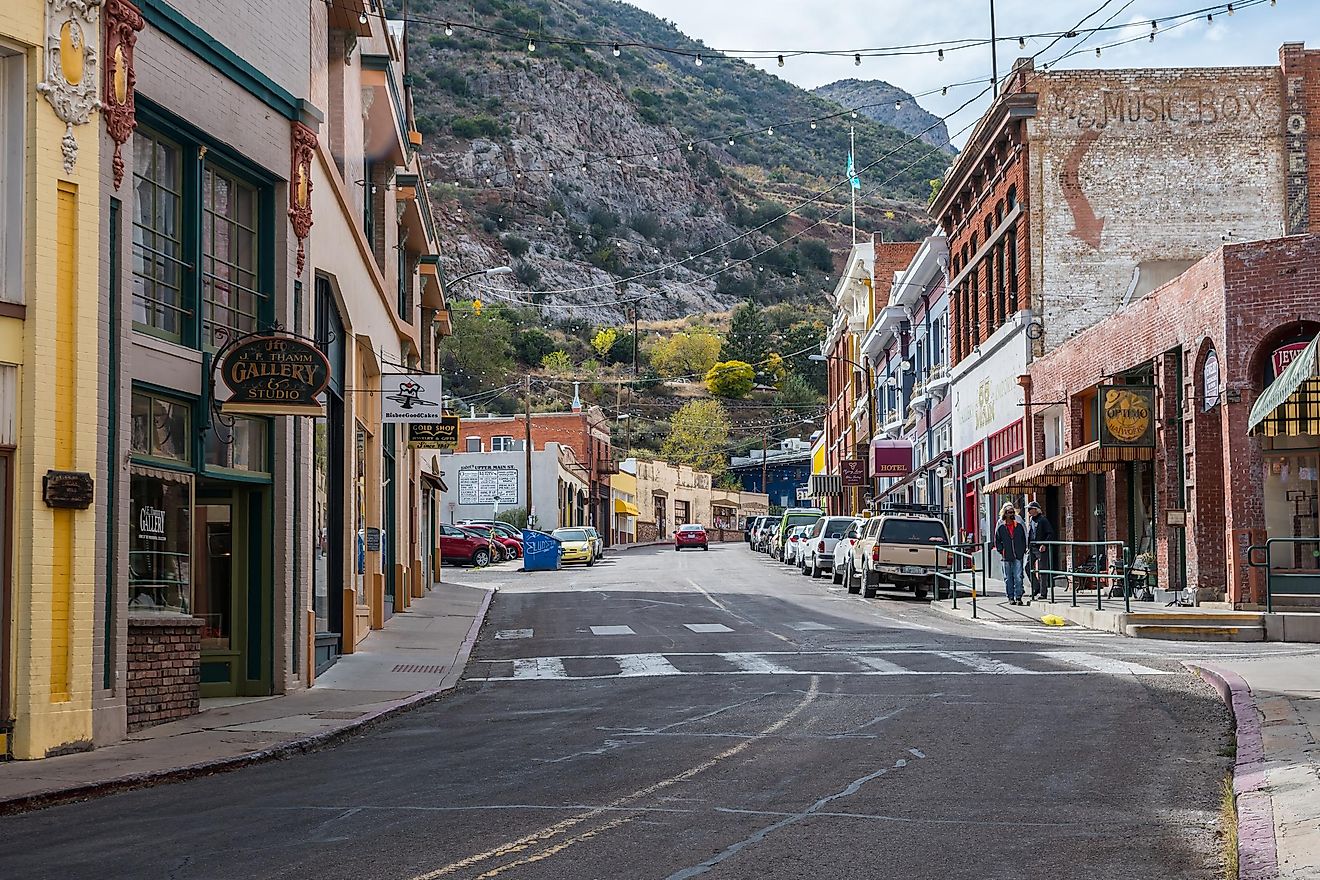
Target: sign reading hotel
(272,374)
(1127,415)
(442,434)
(411,397)
(893,458)
(488,484)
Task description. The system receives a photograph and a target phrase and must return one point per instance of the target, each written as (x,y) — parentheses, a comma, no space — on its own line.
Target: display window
(160,542)
(1292,482)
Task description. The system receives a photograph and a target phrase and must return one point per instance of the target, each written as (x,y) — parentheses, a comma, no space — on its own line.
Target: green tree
(748,338)
(558,363)
(479,353)
(698,435)
(686,354)
(622,350)
(797,392)
(532,345)
(773,371)
(730,379)
(603,341)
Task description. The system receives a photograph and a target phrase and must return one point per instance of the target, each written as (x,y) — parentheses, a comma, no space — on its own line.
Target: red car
(510,547)
(690,536)
(458,546)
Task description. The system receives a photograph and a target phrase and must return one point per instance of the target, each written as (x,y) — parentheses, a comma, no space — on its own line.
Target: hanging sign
(272,374)
(411,397)
(853,471)
(893,458)
(1283,356)
(1210,382)
(1127,415)
(442,434)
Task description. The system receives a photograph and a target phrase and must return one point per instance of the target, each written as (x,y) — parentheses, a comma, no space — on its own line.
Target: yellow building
(50,215)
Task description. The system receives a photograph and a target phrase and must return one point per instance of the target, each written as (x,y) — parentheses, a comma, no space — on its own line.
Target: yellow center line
(541,835)
(557,848)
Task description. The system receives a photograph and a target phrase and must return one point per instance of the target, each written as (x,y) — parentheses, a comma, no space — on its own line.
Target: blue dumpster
(541,552)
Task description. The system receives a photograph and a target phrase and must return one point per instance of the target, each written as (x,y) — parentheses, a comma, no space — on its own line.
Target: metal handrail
(958,553)
(1073,575)
(1269,566)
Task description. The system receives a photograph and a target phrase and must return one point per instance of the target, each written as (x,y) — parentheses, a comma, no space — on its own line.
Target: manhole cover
(414,667)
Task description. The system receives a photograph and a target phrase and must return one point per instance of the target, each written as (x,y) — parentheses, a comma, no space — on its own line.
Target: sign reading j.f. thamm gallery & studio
(1127,415)
(274,375)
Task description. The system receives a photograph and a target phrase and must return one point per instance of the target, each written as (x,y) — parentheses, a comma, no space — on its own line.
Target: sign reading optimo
(1127,415)
(442,434)
(273,374)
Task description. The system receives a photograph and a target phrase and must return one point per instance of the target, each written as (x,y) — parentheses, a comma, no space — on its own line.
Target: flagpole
(852,159)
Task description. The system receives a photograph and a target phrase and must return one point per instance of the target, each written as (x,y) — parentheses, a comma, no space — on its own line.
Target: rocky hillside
(889,105)
(598,176)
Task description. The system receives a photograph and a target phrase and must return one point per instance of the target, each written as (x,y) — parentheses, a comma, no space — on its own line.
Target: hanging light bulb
(698,61)
(531,46)
(449,31)
(1230,9)
(584,167)
(1022,42)
(813,125)
(857,59)
(854,114)
(1209,17)
(898,105)
(655,158)
(944,91)
(1097,51)
(1154,25)
(618,162)
(730,141)
(689,146)
(781,60)
(941,55)
(617,50)
(362,18)
(487,183)
(770,131)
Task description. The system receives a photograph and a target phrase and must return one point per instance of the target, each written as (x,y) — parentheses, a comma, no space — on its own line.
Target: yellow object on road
(1053,620)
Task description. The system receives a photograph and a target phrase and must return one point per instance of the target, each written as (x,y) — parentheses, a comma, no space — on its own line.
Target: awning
(1089,459)
(942,458)
(823,485)
(434,481)
(626,507)
(1290,406)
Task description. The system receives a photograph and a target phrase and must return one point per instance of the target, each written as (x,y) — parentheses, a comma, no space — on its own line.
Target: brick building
(585,431)
(1081,191)
(1208,343)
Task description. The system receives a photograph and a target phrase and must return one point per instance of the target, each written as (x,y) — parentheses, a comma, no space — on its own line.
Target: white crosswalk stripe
(843,663)
(612,631)
(708,627)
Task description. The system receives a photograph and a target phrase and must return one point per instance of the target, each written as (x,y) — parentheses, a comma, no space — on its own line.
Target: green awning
(1291,404)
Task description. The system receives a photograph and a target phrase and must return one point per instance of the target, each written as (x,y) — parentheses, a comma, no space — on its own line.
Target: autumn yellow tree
(686,353)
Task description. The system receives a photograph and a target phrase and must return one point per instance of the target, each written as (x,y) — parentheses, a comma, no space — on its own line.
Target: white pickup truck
(901,549)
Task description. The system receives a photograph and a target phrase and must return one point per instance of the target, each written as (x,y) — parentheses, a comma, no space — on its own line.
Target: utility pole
(527,443)
(994,53)
(765,446)
(634,319)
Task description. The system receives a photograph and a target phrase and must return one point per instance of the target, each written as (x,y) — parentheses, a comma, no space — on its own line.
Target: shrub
(730,379)
(477,126)
(514,516)
(816,254)
(517,247)
(646,225)
(526,273)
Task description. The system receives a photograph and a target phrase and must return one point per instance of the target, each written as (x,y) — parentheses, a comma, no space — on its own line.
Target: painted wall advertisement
(488,484)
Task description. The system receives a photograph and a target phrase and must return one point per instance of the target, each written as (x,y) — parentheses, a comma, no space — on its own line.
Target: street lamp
(489,273)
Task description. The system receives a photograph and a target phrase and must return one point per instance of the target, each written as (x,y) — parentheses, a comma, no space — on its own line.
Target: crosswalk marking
(612,631)
(842,663)
(514,634)
(708,627)
(809,626)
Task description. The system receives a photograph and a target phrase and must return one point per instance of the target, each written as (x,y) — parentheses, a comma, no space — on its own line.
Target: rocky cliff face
(878,99)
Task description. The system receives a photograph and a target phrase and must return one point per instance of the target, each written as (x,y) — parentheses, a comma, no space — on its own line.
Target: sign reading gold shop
(274,374)
(1127,415)
(442,434)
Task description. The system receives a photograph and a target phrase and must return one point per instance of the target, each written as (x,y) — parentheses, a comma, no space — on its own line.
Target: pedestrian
(1039,531)
(1011,543)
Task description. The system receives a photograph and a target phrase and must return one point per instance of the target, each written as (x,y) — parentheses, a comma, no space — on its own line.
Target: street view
(604,440)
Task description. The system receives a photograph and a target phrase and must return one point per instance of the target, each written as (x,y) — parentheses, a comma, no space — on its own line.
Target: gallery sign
(441,434)
(411,397)
(1127,415)
(274,374)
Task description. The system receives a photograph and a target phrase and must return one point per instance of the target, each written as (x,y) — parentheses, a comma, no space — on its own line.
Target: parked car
(751,527)
(899,546)
(691,535)
(842,568)
(761,537)
(500,526)
(793,544)
(458,546)
(816,554)
(794,516)
(597,542)
(576,544)
(508,548)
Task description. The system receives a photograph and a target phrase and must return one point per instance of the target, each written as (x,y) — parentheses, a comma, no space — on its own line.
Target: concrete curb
(309,743)
(1258,855)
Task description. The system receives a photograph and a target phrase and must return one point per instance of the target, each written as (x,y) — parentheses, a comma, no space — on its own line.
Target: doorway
(231,590)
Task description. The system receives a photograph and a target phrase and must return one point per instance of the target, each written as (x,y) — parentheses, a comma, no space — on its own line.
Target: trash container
(541,552)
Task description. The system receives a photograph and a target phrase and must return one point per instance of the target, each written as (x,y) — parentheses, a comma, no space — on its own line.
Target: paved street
(666,715)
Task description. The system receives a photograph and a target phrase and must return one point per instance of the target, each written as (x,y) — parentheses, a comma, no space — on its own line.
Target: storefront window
(1291,484)
(242,447)
(160,427)
(321,524)
(160,542)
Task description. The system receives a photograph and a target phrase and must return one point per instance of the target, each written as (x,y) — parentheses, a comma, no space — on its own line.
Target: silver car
(841,569)
(816,554)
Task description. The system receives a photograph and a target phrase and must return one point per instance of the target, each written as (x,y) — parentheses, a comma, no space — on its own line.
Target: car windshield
(913,531)
(837,528)
(802,519)
(570,534)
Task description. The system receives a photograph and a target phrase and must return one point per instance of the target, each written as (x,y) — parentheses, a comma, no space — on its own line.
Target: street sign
(411,397)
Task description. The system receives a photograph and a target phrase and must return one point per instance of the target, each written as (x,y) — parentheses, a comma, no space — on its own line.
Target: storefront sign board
(1284,354)
(67,489)
(488,484)
(411,397)
(893,458)
(985,391)
(1127,415)
(274,374)
(853,471)
(441,434)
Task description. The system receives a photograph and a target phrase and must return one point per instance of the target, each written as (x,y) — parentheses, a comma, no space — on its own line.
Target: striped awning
(1290,406)
(1065,467)
(823,485)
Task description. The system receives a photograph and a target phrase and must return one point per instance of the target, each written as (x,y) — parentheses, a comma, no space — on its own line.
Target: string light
(770,131)
(1230,9)
(531,46)
(941,55)
(449,30)
(857,59)
(617,50)
(362,18)
(1209,17)
(898,105)
(1022,42)
(730,141)
(698,61)
(813,125)
(1097,51)
(781,60)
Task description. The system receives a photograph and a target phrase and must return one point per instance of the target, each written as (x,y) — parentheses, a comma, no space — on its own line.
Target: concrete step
(1215,618)
(1189,632)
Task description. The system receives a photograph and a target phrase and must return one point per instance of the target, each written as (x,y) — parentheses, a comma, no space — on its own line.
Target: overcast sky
(1251,36)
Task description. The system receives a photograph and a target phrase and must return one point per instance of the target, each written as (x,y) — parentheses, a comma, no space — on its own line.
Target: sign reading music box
(273,374)
(1127,415)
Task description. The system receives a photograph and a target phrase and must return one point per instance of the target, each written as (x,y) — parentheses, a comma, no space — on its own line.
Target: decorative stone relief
(122,22)
(72,33)
(303,151)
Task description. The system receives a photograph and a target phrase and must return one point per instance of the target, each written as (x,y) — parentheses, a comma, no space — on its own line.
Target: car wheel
(850,578)
(806,568)
(591,560)
(816,571)
(705,547)
(835,576)
(869,588)
(922,593)
(481,558)
(677,548)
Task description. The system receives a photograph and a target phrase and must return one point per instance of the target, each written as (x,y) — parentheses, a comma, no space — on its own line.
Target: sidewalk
(419,655)
(1276,701)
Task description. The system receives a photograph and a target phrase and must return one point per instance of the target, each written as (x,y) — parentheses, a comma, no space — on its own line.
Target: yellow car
(576,546)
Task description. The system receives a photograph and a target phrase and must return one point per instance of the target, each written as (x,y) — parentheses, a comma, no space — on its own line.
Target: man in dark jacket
(1038,530)
(1011,543)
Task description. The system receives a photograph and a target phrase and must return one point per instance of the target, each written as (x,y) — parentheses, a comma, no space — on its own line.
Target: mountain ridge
(888,104)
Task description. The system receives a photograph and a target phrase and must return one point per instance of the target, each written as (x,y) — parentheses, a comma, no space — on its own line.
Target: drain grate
(414,667)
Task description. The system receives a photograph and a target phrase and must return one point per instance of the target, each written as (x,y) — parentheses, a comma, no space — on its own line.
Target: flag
(852,173)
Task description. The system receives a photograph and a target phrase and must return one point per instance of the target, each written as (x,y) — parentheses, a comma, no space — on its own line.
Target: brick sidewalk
(433,638)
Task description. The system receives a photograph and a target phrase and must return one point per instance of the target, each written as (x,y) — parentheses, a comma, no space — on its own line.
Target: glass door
(215,594)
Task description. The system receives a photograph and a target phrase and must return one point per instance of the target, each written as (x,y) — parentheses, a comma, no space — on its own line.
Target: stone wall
(164,669)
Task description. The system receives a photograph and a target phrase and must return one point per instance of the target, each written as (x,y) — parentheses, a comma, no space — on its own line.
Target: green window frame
(159,243)
(242,447)
(231,247)
(161,429)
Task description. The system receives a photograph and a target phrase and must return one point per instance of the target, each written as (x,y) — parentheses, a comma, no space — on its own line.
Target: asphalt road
(677,715)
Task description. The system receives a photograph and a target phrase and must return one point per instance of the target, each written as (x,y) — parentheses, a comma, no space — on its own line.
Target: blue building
(786,468)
